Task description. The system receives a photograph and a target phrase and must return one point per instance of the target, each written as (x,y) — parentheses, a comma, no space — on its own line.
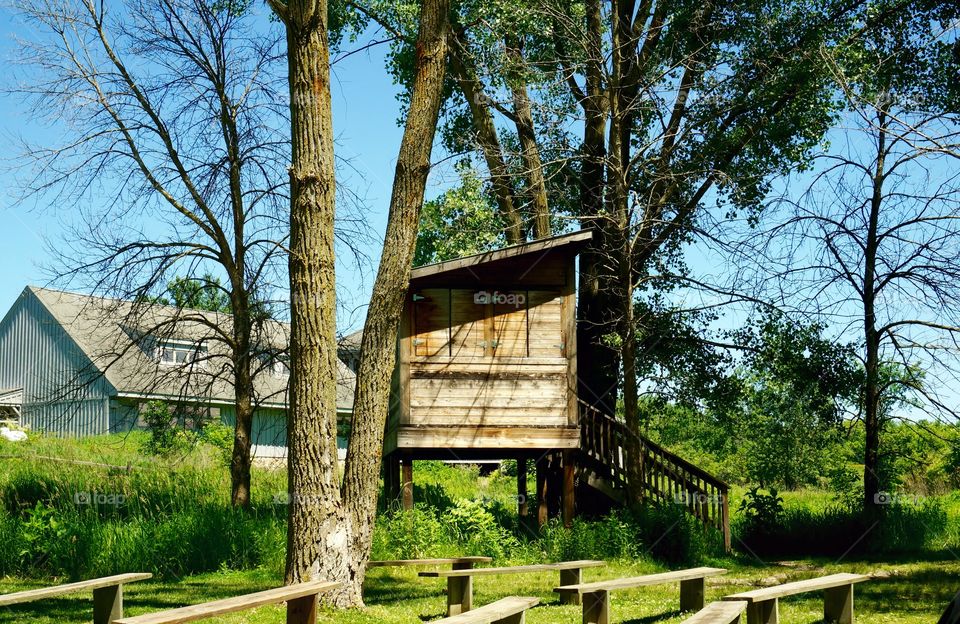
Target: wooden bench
(460,582)
(511,610)
(301,602)
(596,596)
(719,613)
(107,594)
(456,563)
(837,589)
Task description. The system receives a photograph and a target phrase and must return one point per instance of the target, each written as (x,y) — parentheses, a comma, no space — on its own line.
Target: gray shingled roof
(116,336)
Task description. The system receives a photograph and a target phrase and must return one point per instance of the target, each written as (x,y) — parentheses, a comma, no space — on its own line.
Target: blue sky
(365,114)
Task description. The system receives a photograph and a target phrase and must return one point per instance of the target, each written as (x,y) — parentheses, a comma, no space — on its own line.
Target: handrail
(665,476)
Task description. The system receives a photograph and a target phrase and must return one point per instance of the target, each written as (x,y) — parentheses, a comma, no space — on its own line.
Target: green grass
(909,592)
(178,524)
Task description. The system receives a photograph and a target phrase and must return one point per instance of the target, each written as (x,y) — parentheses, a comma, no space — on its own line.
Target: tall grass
(167,516)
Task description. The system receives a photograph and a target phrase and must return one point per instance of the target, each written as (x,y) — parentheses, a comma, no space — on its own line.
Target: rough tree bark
(317,529)
(329,528)
(379,343)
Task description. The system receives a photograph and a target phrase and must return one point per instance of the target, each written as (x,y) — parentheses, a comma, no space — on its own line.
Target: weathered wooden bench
(460,582)
(456,563)
(301,602)
(596,596)
(719,613)
(107,594)
(511,610)
(763,604)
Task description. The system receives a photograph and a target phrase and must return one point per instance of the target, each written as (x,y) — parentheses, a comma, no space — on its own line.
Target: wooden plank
(382,563)
(479,364)
(518,438)
(641,581)
(718,613)
(232,605)
(569,334)
(539,567)
(431,318)
(70,588)
(799,587)
(469,335)
(497,611)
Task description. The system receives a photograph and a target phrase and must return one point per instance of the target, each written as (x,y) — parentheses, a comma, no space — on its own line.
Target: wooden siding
(485,358)
(61,392)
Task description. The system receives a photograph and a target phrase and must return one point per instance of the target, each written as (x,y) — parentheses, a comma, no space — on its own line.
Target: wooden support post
(462,565)
(542,492)
(693,594)
(407,485)
(522,510)
(459,594)
(302,610)
(725,519)
(596,608)
(765,612)
(107,604)
(838,604)
(570,577)
(569,504)
(391,478)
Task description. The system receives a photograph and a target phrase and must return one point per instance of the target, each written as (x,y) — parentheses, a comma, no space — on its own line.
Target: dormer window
(178,352)
(275,362)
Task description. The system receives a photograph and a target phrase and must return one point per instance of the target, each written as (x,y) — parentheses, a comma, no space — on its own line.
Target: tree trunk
(318,530)
(871,391)
(243,405)
(379,343)
(529,151)
(489,144)
(596,304)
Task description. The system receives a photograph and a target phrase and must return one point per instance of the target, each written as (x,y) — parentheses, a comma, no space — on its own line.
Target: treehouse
(487,363)
(487,369)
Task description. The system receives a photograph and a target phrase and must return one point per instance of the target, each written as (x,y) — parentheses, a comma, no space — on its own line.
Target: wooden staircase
(665,477)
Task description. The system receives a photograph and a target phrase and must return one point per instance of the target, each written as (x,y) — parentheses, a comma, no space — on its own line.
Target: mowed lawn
(911,592)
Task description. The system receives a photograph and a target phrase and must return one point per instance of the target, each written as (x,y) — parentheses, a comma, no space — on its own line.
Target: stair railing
(665,477)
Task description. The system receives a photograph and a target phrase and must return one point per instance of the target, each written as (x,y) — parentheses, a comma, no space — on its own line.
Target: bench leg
(302,610)
(765,612)
(462,565)
(596,608)
(838,604)
(570,577)
(693,594)
(107,604)
(516,618)
(459,594)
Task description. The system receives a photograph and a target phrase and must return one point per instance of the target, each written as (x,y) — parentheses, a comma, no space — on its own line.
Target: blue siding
(59,393)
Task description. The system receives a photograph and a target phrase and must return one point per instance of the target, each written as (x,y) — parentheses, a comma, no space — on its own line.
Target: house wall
(270,431)
(62,393)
